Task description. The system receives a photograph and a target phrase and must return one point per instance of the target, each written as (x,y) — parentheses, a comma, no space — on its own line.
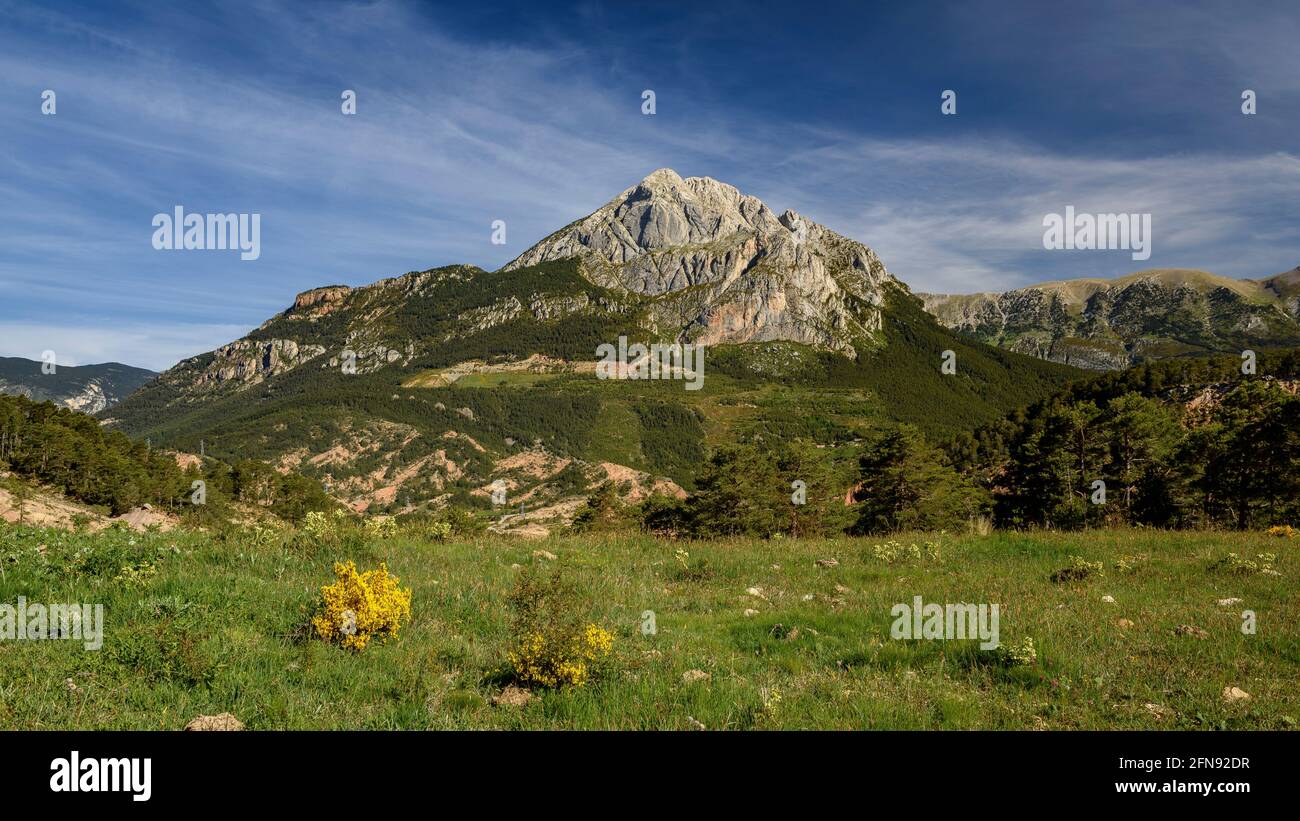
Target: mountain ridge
(86,388)
(1104,324)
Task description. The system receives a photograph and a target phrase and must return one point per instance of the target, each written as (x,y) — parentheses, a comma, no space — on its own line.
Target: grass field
(197,625)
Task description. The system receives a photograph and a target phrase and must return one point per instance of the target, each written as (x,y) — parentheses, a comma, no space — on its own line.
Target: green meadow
(775,634)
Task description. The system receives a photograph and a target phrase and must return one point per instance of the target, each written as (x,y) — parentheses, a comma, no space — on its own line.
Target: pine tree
(1140,435)
(905,485)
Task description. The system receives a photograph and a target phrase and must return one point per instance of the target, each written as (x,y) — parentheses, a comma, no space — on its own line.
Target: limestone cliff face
(1109,324)
(320,301)
(723,267)
(248,361)
(321,329)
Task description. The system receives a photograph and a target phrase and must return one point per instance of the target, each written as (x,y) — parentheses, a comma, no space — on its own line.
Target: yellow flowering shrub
(545,662)
(360,606)
(551,645)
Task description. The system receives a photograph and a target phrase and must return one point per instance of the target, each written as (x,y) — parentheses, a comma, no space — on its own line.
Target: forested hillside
(72,453)
(1175,444)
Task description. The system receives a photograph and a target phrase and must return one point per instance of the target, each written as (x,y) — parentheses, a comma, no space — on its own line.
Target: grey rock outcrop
(724,266)
(250,361)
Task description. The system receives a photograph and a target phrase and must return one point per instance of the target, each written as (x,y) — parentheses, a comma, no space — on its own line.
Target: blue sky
(531,113)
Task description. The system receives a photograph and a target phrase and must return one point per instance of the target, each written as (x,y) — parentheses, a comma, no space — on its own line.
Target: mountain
(86,388)
(1105,324)
(720,266)
(432,385)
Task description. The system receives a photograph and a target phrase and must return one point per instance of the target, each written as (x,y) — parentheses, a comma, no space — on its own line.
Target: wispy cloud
(967,215)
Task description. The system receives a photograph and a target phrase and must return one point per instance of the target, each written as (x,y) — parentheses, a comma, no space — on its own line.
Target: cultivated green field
(197,624)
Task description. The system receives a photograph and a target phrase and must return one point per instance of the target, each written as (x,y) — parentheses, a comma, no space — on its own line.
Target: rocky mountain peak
(763,276)
(662,211)
(687,259)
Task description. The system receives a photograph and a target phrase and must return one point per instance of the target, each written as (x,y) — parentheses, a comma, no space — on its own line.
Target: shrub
(358,607)
(1127,564)
(322,527)
(437,531)
(443,524)
(664,516)
(1077,570)
(545,662)
(259,536)
(552,645)
(1232,563)
(136,575)
(892,551)
(116,553)
(381,527)
(601,511)
(1022,654)
(334,530)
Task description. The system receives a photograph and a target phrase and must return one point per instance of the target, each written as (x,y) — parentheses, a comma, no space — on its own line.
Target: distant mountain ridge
(85,388)
(1105,324)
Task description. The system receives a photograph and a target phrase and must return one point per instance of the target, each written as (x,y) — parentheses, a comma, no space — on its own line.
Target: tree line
(1176,444)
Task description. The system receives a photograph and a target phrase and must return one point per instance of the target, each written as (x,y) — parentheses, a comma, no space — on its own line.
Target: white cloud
(966,215)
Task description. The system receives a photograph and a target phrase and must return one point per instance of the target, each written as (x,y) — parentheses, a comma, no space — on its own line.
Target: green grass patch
(220,626)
